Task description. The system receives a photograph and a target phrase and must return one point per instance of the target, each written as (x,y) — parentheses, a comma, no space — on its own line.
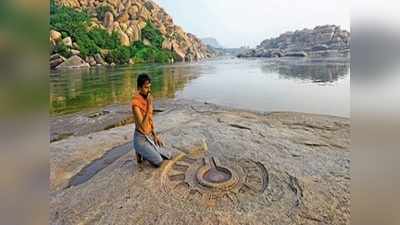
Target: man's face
(145,89)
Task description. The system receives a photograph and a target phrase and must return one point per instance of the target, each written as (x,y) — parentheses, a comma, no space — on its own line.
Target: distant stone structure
(326,40)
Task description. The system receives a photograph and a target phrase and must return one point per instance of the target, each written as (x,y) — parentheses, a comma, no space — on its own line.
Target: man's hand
(149,102)
(158,141)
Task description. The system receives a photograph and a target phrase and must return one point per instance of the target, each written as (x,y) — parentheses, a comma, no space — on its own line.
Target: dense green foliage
(63,50)
(74,23)
(120,55)
(104,40)
(153,53)
(139,53)
(142,53)
(153,35)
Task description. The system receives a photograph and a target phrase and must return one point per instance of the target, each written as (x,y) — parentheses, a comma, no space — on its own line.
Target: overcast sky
(236,23)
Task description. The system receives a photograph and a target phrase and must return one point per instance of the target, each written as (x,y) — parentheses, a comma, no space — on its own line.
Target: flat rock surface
(306,160)
(90,121)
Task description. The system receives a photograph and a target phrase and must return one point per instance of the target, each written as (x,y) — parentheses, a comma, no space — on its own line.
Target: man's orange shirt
(141,103)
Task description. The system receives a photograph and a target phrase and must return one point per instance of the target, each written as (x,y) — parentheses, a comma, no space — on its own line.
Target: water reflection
(315,72)
(255,84)
(72,91)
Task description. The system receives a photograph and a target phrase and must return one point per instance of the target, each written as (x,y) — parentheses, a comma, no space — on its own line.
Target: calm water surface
(303,85)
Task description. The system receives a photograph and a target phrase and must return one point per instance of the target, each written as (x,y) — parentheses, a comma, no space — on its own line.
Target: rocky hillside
(327,40)
(211,42)
(92,32)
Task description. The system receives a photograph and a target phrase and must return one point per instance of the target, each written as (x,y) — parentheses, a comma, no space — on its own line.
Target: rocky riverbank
(86,33)
(322,41)
(306,161)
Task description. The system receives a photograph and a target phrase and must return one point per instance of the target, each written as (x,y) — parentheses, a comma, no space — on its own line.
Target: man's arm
(153,131)
(156,138)
(140,119)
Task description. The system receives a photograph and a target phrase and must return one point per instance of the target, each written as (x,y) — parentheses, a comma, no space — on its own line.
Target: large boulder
(75,46)
(120,9)
(91,61)
(116,27)
(162,29)
(141,24)
(133,33)
(73,62)
(123,18)
(56,60)
(123,26)
(114,3)
(127,3)
(124,39)
(75,52)
(144,14)
(167,44)
(108,19)
(146,42)
(67,41)
(179,53)
(133,12)
(104,52)
(99,59)
(55,36)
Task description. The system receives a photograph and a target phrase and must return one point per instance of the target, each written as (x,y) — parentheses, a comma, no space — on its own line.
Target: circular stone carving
(216,176)
(203,179)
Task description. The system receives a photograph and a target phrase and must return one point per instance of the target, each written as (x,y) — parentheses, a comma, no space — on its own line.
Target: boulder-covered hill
(211,42)
(92,32)
(326,40)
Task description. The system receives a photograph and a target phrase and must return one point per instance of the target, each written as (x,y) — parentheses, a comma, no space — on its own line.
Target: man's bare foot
(139,158)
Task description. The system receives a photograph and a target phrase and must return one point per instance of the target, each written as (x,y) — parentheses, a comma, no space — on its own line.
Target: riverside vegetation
(87,35)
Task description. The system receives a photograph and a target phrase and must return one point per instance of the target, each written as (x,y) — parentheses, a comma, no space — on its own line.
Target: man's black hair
(142,78)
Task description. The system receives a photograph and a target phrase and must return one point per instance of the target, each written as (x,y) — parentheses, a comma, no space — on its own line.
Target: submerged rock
(91,61)
(56,60)
(73,62)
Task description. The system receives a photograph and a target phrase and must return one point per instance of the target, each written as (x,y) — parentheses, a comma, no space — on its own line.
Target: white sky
(236,23)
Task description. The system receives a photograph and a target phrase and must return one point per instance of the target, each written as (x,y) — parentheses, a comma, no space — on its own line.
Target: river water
(285,84)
